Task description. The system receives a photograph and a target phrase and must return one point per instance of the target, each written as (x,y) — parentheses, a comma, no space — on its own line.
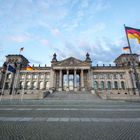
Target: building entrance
(71,82)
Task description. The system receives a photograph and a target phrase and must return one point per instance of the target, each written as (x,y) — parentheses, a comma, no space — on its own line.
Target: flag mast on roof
(21,49)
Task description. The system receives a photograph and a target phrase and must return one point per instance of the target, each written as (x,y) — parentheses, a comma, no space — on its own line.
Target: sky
(69,28)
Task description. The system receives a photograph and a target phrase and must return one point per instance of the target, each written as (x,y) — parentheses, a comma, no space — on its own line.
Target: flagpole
(13,85)
(133,64)
(3,87)
(16,76)
(21,49)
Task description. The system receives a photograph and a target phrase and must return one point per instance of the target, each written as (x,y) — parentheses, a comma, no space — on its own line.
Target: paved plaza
(66,117)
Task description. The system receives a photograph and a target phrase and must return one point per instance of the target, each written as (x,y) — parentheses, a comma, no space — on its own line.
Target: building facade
(71,74)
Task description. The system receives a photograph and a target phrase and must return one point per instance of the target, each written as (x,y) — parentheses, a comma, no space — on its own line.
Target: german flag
(133,33)
(126,48)
(29,68)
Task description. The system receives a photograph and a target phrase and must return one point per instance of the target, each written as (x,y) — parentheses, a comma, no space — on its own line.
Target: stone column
(112,81)
(75,82)
(67,89)
(16,83)
(131,86)
(52,79)
(25,80)
(60,80)
(92,82)
(37,85)
(119,82)
(2,79)
(105,84)
(11,82)
(31,81)
(44,81)
(89,79)
(3,84)
(126,75)
(82,80)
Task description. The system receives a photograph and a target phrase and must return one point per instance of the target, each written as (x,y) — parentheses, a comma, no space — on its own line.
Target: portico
(71,79)
(71,74)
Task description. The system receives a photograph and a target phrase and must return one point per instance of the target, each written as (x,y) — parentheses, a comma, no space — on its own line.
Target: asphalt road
(69,120)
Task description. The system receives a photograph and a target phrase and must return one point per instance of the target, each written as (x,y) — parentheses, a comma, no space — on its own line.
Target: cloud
(33,61)
(45,42)
(94,29)
(2,54)
(89,9)
(122,41)
(69,27)
(20,38)
(102,50)
(53,9)
(1,48)
(52,12)
(56,32)
(68,15)
(101,5)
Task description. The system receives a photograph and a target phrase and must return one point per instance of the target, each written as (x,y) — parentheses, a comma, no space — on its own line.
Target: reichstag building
(70,75)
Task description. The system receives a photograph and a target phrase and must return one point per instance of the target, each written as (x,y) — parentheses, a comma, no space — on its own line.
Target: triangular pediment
(71,61)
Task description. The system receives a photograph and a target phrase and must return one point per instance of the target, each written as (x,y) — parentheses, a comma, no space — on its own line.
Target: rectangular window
(115,76)
(108,76)
(94,76)
(104,76)
(101,76)
(41,76)
(121,76)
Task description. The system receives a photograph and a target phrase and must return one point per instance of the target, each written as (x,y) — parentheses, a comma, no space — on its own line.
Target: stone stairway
(71,95)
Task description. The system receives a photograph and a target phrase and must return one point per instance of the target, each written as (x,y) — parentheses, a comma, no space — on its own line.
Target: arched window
(9,76)
(122,85)
(34,85)
(109,85)
(41,76)
(7,85)
(22,76)
(28,76)
(35,76)
(95,85)
(102,85)
(115,84)
(47,84)
(28,85)
(41,86)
